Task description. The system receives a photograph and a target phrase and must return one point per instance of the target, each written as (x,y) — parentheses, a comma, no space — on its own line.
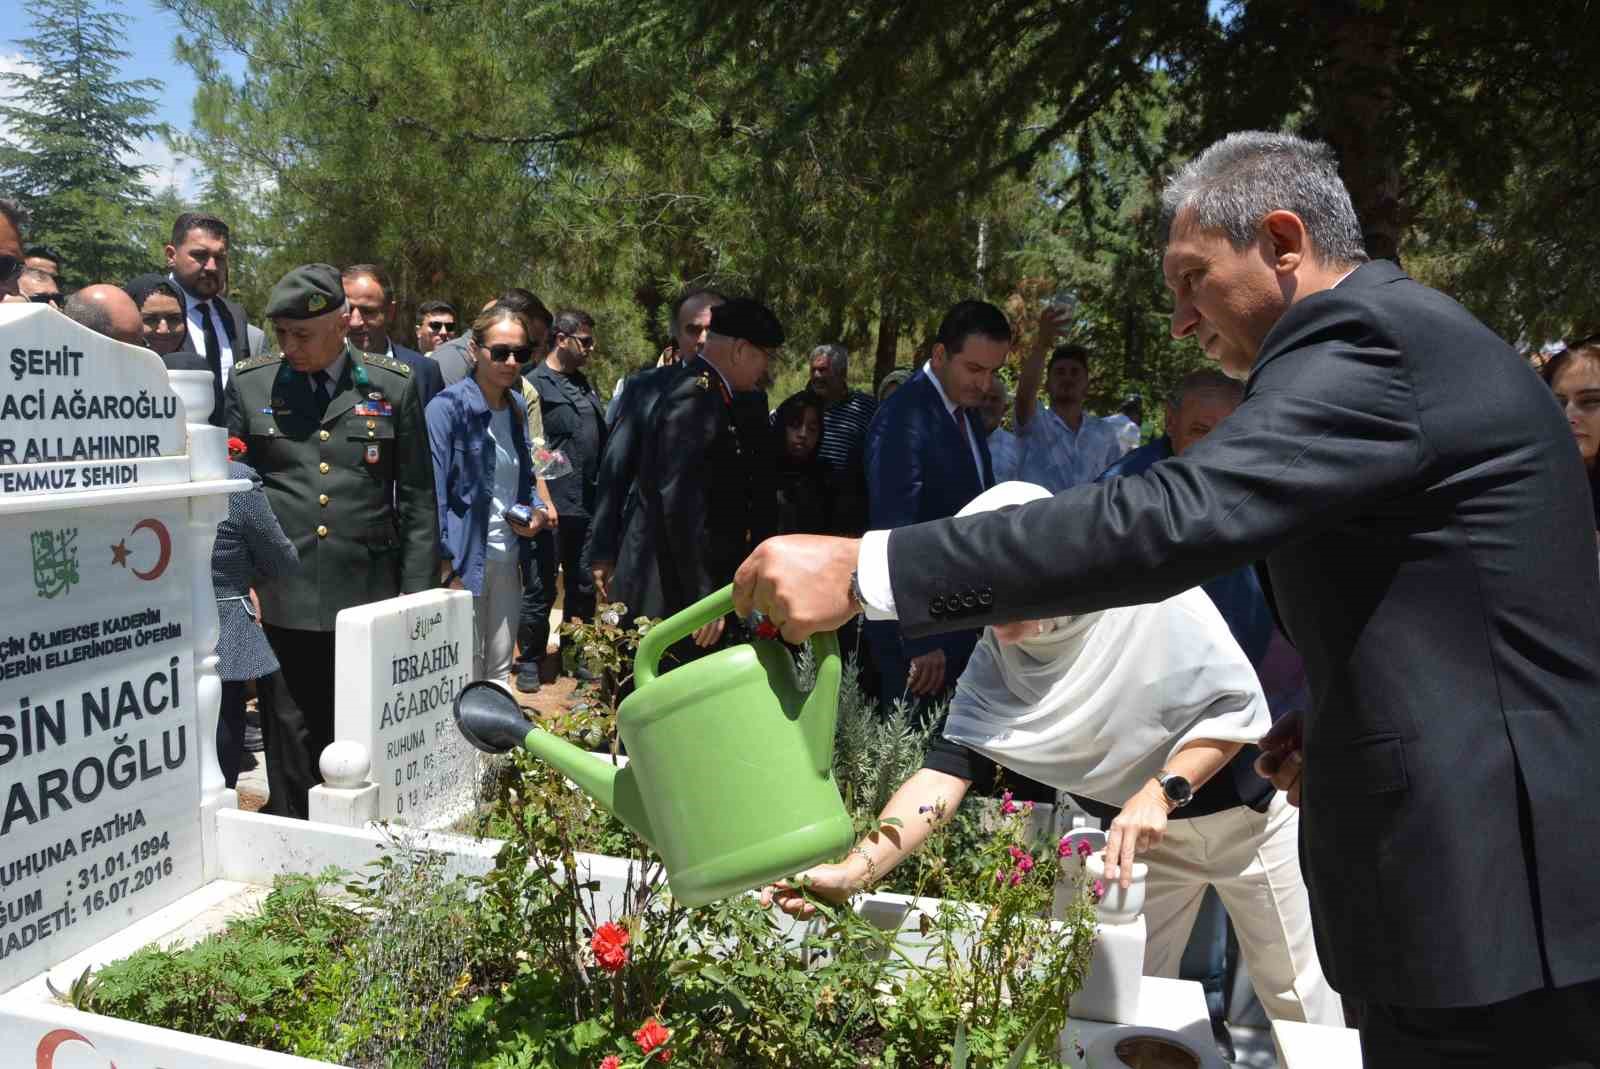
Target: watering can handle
(646,666)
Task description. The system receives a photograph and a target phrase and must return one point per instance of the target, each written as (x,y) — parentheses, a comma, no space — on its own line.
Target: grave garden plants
(527,966)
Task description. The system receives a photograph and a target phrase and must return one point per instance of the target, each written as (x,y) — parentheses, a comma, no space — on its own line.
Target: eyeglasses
(584,340)
(439,326)
(173,321)
(500,354)
(46,298)
(10,267)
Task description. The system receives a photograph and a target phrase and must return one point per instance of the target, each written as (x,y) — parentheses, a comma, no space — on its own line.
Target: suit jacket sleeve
(897,466)
(416,504)
(614,481)
(685,426)
(1327,428)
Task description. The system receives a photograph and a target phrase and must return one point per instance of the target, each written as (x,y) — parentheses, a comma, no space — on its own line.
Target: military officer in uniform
(706,483)
(338,438)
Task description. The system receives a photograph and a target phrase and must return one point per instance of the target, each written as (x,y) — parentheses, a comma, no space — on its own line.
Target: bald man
(106,309)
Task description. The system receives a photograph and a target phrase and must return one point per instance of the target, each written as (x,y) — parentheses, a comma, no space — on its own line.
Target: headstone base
(348,807)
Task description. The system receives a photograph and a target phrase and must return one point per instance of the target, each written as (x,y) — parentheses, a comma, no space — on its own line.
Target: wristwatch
(1176,788)
(855,592)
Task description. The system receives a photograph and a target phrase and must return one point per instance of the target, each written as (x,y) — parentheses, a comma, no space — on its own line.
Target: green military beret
(306,292)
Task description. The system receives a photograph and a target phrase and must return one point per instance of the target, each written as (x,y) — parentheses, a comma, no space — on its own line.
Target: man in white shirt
(1062,445)
(197,260)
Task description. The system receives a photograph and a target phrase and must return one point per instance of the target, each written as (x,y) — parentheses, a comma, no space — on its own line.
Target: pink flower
(611,1061)
(1025,863)
(1007,806)
(1084,849)
(1014,851)
(1016,878)
(1098,890)
(1064,847)
(1027,807)
(1000,876)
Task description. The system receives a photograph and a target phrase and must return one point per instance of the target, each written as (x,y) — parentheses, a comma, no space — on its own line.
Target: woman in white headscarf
(1136,708)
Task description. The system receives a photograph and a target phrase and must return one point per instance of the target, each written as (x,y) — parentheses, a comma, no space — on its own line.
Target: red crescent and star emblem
(120,552)
(45,1054)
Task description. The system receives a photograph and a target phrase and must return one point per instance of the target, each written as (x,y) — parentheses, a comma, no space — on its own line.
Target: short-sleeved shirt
(844,430)
(1005,454)
(1055,456)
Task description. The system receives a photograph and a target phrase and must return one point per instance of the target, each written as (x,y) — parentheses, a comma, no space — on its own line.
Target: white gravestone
(108,689)
(398,666)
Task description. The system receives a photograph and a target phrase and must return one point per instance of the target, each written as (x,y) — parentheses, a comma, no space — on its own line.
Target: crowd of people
(1111,624)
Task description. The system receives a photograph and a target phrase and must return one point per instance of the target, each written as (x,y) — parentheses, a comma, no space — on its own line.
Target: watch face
(1178,789)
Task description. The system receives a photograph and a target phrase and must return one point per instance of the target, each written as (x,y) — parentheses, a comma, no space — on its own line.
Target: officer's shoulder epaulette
(265,360)
(379,360)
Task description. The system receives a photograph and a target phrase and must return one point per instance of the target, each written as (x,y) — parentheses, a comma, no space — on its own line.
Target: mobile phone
(520,514)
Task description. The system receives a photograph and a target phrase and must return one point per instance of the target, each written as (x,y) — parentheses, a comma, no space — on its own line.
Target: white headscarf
(1098,703)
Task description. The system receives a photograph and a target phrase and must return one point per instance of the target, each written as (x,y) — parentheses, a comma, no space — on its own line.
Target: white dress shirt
(950,407)
(197,329)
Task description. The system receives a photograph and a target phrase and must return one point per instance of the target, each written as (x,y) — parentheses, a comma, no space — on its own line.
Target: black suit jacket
(706,490)
(920,469)
(236,326)
(615,496)
(425,374)
(1429,538)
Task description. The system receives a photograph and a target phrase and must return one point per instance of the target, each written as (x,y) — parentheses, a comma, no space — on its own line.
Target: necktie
(208,331)
(966,441)
(320,382)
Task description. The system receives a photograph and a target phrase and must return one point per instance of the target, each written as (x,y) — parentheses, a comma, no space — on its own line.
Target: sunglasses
(173,321)
(586,341)
(46,298)
(508,354)
(10,266)
(440,326)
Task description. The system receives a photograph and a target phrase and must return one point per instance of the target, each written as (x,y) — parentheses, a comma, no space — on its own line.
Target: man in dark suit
(1431,552)
(629,416)
(926,456)
(706,477)
(370,299)
(197,260)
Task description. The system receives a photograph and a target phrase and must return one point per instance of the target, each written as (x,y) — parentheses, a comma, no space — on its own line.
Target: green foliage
(73,124)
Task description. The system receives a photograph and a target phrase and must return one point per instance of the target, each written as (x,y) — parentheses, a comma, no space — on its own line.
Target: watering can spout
(491,719)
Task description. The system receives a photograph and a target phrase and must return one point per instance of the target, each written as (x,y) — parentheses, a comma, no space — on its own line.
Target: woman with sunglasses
(483,477)
(160,304)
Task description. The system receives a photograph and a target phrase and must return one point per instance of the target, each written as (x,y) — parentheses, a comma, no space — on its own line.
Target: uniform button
(322,532)
(372,434)
(322,499)
(271,431)
(371,423)
(323,435)
(323,467)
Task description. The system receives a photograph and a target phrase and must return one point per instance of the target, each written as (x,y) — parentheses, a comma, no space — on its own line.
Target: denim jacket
(463,472)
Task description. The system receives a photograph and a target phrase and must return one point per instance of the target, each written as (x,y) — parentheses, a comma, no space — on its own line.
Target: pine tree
(74,124)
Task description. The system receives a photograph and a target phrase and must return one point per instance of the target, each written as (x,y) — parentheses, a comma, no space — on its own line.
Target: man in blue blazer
(927,455)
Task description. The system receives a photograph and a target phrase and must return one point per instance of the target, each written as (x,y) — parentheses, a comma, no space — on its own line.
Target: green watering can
(730,764)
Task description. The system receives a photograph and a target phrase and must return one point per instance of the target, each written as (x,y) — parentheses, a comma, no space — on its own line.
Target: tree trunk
(888,341)
(1356,111)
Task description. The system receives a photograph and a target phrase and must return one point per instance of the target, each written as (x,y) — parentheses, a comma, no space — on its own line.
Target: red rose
(611,1061)
(236,448)
(652,1034)
(610,945)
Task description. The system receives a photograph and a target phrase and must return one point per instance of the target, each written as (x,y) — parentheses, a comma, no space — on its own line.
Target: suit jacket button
(969,600)
(323,435)
(323,467)
(322,532)
(936,606)
(985,597)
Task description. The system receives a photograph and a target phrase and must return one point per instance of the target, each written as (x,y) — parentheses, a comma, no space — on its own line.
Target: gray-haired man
(1415,535)
(846,414)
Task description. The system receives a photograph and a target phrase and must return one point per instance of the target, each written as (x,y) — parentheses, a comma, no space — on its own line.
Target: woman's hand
(832,883)
(1141,825)
(528,530)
